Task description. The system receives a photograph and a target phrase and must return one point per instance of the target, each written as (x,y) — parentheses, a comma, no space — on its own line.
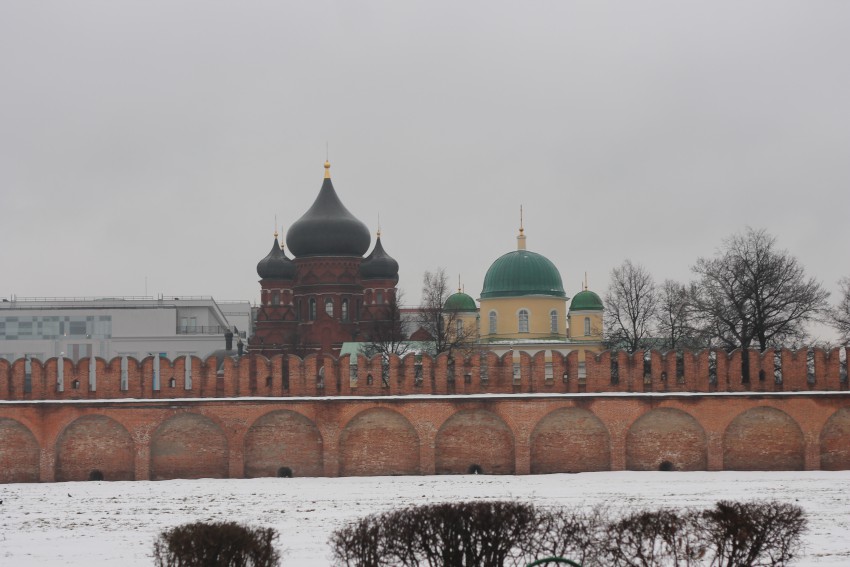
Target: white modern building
(78,327)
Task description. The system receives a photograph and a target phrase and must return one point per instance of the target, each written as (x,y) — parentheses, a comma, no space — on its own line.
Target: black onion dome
(276,266)
(379,265)
(328,229)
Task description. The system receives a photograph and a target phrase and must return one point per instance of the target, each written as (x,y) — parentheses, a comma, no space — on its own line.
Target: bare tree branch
(631,306)
(439,323)
(753,294)
(674,320)
(388,335)
(840,315)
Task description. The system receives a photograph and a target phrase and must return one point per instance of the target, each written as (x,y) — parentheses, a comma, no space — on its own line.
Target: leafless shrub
(360,543)
(470,534)
(652,538)
(577,534)
(762,533)
(482,534)
(218,544)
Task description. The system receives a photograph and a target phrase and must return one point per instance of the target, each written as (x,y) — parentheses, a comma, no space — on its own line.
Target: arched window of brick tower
(329,307)
(312,309)
(275,297)
(553,321)
(523,321)
(379,298)
(344,307)
(492,322)
(587,326)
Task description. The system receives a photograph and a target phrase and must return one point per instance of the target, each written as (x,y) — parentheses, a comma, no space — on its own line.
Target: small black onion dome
(328,228)
(276,266)
(379,265)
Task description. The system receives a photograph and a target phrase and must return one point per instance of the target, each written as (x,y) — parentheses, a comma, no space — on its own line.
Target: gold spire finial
(520,239)
(327,170)
(275,226)
(585,281)
(459,287)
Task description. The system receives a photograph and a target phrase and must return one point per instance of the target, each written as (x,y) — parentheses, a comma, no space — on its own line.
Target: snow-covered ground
(115,523)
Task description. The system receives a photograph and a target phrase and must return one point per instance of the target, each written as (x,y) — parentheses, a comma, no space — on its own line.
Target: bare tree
(840,315)
(439,323)
(752,293)
(674,319)
(388,335)
(631,307)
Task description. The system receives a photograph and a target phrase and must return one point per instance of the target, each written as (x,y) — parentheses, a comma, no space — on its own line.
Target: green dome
(586,301)
(460,302)
(520,273)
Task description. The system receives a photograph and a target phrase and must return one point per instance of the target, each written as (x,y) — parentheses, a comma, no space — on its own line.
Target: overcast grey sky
(160,139)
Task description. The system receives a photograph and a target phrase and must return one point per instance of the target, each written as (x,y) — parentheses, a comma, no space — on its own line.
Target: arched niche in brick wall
(378,441)
(95,444)
(19,452)
(475,440)
(188,445)
(763,439)
(570,440)
(835,442)
(280,440)
(666,439)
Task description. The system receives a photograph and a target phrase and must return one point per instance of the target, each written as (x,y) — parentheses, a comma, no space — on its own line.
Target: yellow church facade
(523,306)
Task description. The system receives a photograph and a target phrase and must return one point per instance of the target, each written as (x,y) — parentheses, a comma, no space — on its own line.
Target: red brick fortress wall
(512,434)
(324,417)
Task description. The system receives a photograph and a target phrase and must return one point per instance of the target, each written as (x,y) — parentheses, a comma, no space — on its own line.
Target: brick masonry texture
(570,440)
(95,443)
(316,418)
(666,435)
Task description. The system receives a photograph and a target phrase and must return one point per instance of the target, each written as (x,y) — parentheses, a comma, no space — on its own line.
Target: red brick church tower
(329,294)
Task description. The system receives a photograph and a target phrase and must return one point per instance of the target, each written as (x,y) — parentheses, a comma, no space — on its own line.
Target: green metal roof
(521,273)
(586,301)
(460,302)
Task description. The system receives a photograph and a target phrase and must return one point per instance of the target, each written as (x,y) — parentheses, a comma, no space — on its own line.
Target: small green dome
(520,273)
(586,301)
(460,302)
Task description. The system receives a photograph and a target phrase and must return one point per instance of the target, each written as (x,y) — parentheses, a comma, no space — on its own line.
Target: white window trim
(519,320)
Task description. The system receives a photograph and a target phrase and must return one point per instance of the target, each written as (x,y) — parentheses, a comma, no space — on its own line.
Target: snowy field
(115,523)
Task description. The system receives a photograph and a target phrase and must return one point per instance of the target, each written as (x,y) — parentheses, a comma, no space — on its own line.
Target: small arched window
(344,307)
(492,322)
(553,321)
(523,321)
(275,297)
(329,307)
(459,327)
(312,316)
(587,326)
(379,298)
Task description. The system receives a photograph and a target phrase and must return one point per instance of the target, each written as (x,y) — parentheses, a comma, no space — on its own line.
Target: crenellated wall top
(545,371)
